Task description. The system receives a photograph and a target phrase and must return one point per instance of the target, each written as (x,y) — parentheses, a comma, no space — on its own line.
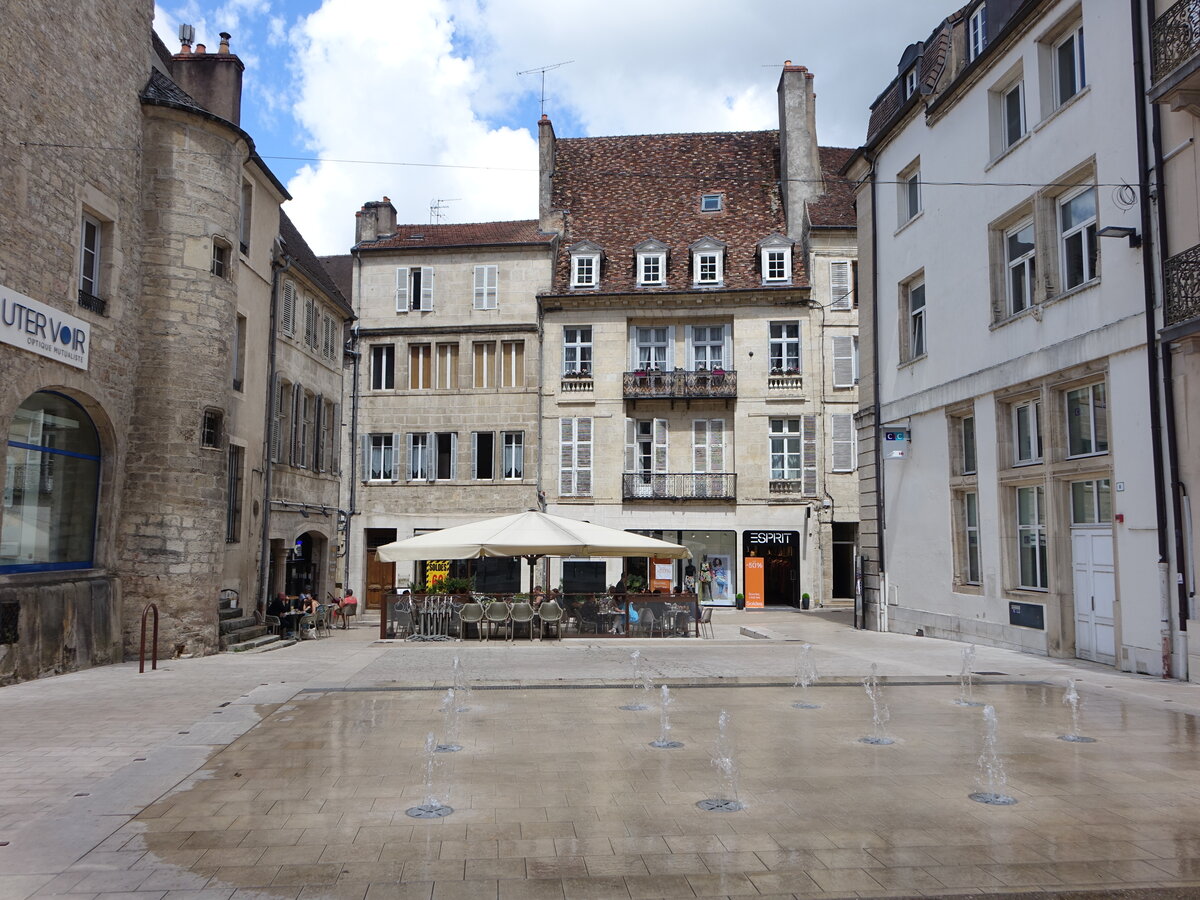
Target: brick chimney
(548,220)
(376,219)
(799,156)
(214,80)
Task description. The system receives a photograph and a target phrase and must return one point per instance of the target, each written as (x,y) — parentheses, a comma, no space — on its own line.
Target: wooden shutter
(843,361)
(661,457)
(364,445)
(297,423)
(402,289)
(409,457)
(716,445)
(808,447)
(841,428)
(396,439)
(453,456)
(276,413)
(631,445)
(700,445)
(840,286)
(319,434)
(566,457)
(287,319)
(426,287)
(583,456)
(335,438)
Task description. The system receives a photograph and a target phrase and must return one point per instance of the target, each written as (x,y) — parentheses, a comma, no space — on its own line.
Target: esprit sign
(769,537)
(43,330)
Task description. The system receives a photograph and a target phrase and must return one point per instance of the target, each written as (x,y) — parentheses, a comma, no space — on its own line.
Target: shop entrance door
(780,551)
(1095,593)
(380,576)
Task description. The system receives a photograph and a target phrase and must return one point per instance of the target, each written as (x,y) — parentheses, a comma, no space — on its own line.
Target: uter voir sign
(43,330)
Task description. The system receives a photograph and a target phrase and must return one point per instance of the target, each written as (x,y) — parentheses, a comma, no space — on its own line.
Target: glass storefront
(710,572)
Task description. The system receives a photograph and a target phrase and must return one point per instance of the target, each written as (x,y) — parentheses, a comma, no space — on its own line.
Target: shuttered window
(809,436)
(708,446)
(287,316)
(414,288)
(841,431)
(841,285)
(575,457)
(486,280)
(845,361)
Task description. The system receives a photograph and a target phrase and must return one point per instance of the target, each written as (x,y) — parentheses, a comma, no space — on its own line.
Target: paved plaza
(288,774)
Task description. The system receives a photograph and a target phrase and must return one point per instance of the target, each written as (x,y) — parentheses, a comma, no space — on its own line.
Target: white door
(1095,591)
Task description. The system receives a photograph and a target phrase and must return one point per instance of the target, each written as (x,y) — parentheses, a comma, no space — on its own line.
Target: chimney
(376,219)
(799,156)
(547,221)
(214,80)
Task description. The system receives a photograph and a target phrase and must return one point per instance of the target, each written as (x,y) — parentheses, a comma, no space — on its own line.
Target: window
(575,457)
(484,353)
(1069,73)
(977,32)
(970,570)
(383,367)
(844,442)
(1020,259)
(708,262)
(651,263)
(244,216)
(382,461)
(711,202)
(708,347)
(239,354)
(1091,502)
(233,494)
(653,348)
(329,342)
(220,258)
(335,439)
(967,462)
(1087,420)
(845,361)
(287,314)
(793,447)
(585,265)
(51,486)
(414,288)
(280,422)
(486,280)
(308,433)
(910,192)
(708,446)
(310,321)
(297,422)
(210,429)
(1031,538)
(90,248)
(1013,113)
(841,284)
(420,365)
(1077,217)
(483,455)
(914,302)
(513,461)
(325,427)
(512,364)
(577,350)
(910,82)
(445,374)
(783,350)
(418,457)
(775,257)
(1027,432)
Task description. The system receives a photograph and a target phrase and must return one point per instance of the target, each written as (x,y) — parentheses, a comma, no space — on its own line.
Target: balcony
(1182,276)
(678,486)
(576,383)
(680,385)
(92,302)
(1174,61)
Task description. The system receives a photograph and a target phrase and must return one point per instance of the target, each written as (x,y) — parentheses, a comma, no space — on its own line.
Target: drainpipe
(355,359)
(1172,435)
(880,504)
(280,263)
(1152,362)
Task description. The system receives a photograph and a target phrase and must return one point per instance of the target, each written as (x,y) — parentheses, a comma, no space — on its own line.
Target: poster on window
(721,585)
(436,571)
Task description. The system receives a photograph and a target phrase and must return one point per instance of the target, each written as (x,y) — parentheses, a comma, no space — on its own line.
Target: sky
(422,101)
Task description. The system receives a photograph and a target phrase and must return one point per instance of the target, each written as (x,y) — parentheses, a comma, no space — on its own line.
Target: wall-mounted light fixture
(1121,231)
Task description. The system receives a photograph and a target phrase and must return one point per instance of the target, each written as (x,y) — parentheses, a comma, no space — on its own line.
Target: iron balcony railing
(1182,276)
(680,385)
(1174,38)
(679,486)
(92,302)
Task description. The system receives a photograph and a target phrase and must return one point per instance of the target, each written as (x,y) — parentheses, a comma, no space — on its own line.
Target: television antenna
(435,209)
(543,70)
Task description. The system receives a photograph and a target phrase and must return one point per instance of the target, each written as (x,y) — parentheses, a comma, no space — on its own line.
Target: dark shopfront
(780,552)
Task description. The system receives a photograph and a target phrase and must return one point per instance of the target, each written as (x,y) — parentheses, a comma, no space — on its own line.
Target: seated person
(346,607)
(278,605)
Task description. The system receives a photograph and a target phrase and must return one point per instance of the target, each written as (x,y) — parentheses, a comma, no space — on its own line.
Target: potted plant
(635,584)
(804,601)
(740,599)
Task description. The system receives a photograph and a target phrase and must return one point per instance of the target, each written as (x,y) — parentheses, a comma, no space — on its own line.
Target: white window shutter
(454,456)
(808,442)
(700,445)
(475,448)
(566,458)
(402,289)
(276,413)
(364,446)
(843,361)
(727,350)
(411,460)
(427,287)
(288,317)
(840,288)
(396,439)
(481,287)
(670,350)
(630,445)
(661,457)
(841,428)
(633,349)
(583,456)
(716,445)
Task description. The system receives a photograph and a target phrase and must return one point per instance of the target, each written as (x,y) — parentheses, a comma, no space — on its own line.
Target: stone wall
(58,627)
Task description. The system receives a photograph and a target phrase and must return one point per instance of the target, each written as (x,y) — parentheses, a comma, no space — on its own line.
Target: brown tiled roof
(411,237)
(619,191)
(341,270)
(931,66)
(835,209)
(303,257)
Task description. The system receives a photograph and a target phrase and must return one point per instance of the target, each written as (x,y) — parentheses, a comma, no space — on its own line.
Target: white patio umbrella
(530,534)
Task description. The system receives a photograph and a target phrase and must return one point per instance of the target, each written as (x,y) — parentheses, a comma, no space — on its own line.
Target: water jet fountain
(432,808)
(991,778)
(965,679)
(879,710)
(642,679)
(664,741)
(806,675)
(450,710)
(1071,698)
(723,762)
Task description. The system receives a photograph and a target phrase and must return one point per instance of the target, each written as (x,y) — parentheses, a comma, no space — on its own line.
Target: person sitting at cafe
(538,596)
(278,605)
(346,607)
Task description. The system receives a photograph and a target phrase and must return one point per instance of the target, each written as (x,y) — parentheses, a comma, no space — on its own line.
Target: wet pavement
(288,774)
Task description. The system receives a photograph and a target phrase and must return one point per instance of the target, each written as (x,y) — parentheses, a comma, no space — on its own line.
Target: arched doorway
(306,565)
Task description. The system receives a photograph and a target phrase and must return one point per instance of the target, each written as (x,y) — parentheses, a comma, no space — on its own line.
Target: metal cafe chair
(470,614)
(520,614)
(497,615)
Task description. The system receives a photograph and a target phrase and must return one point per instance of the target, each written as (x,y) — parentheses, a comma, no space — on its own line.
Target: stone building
(444,395)
(138,273)
(699,367)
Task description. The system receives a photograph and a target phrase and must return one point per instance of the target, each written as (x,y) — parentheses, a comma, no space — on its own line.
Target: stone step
(262,642)
(229,625)
(242,635)
(230,612)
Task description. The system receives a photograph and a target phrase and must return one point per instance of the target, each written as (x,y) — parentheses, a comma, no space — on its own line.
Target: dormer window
(651,263)
(708,263)
(775,254)
(977,32)
(910,82)
(585,265)
(711,202)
